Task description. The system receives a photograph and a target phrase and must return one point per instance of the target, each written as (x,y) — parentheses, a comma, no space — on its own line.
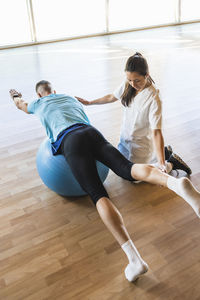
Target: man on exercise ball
(71,134)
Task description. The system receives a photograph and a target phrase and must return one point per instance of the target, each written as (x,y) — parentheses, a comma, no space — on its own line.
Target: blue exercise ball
(56,173)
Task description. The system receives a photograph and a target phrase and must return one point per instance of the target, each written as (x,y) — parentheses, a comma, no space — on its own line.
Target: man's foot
(179,164)
(134,271)
(168,152)
(185,189)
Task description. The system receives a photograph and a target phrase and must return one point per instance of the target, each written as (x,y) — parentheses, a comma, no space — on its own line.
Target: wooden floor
(57,248)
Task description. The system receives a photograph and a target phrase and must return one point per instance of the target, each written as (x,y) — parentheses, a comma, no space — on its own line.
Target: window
(14,22)
(190,10)
(59,19)
(56,19)
(128,14)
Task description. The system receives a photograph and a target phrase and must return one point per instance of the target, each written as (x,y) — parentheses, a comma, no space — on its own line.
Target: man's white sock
(137,265)
(185,189)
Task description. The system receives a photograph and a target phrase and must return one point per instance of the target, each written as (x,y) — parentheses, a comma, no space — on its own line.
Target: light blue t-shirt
(58,112)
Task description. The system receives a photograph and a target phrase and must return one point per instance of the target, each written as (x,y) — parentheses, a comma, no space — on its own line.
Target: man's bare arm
(19,102)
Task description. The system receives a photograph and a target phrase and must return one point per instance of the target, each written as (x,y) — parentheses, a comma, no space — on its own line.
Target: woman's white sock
(185,189)
(137,265)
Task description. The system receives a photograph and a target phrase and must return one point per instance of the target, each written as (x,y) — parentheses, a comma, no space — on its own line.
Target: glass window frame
(35,41)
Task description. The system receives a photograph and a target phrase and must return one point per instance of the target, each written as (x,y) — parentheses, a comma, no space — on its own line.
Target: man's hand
(15,94)
(19,102)
(83,101)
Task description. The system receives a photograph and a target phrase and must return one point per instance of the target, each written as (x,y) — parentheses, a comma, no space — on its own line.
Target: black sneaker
(179,164)
(168,152)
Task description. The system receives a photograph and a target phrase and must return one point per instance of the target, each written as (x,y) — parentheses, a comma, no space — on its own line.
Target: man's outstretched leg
(181,186)
(115,224)
(84,168)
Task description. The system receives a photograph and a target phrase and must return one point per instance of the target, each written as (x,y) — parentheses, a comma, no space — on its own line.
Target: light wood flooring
(57,248)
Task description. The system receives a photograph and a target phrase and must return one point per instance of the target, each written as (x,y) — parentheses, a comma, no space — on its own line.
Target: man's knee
(141,171)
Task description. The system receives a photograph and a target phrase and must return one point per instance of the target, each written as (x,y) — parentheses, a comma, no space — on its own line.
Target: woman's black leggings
(81,148)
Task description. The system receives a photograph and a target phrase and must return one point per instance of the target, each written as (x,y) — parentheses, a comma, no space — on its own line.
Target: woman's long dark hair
(135,63)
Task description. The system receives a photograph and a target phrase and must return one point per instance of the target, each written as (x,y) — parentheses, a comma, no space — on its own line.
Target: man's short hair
(44,85)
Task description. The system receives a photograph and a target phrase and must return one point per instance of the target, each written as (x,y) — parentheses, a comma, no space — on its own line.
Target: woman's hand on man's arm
(83,101)
(103,100)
